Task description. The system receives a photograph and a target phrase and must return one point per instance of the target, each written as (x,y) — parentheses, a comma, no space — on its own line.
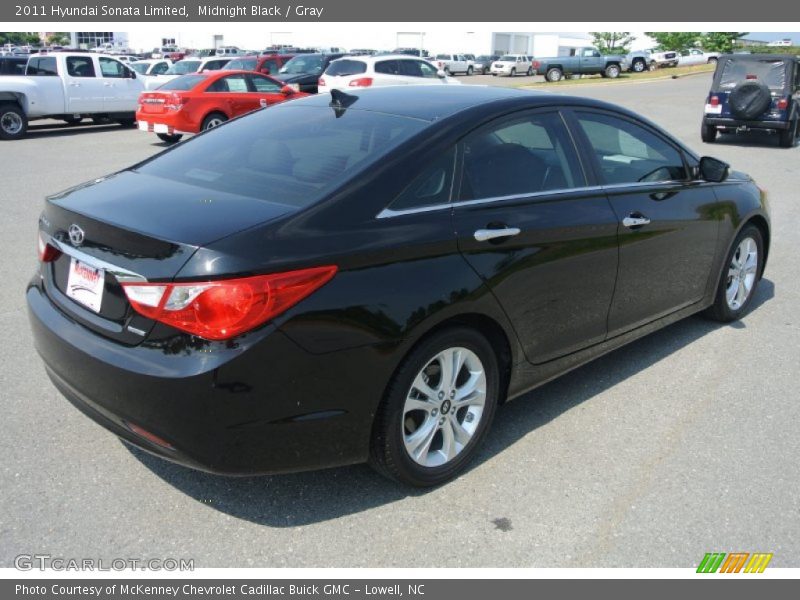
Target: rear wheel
(13,123)
(788,138)
(612,71)
(213,120)
(708,133)
(741,273)
(437,410)
(554,74)
(170,138)
(639,65)
(712,60)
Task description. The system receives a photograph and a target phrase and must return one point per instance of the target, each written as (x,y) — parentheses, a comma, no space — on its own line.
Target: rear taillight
(219,310)
(321,82)
(47,252)
(361,82)
(536,64)
(175,102)
(782,104)
(714,101)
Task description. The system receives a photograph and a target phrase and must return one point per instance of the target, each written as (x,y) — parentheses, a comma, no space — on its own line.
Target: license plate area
(85,284)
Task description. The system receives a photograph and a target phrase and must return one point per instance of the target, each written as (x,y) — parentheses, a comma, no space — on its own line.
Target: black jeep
(752,92)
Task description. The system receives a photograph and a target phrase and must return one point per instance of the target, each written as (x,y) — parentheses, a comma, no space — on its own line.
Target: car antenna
(340,102)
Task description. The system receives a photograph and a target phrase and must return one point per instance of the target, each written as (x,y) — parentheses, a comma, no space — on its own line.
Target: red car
(199,101)
(266,63)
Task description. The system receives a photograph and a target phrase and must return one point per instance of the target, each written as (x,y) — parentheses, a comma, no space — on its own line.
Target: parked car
(186,66)
(411,52)
(151,66)
(512,65)
(695,56)
(265,63)
(67,86)
(754,92)
(587,61)
(453,63)
(484,62)
(13,65)
(199,101)
(272,316)
(374,71)
(229,51)
(303,71)
(163,51)
(650,60)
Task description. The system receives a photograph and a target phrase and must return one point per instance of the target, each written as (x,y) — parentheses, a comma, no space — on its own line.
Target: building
(92,39)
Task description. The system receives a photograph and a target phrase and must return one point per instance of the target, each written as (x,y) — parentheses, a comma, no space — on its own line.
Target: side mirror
(713,170)
(287,90)
(441,74)
(131,73)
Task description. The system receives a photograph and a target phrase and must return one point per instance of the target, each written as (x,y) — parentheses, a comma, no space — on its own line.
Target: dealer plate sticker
(85,284)
(713,110)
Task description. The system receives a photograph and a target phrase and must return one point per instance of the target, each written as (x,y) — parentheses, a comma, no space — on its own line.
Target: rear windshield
(508,58)
(769,71)
(182,67)
(309,63)
(184,83)
(291,155)
(346,67)
(241,64)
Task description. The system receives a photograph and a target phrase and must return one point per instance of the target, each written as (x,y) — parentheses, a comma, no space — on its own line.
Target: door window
(265,85)
(524,155)
(160,68)
(111,68)
(80,66)
(409,68)
(231,83)
(427,70)
(629,153)
(387,67)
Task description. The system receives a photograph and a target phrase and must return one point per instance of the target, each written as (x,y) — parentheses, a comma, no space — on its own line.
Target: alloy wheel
(742,273)
(444,407)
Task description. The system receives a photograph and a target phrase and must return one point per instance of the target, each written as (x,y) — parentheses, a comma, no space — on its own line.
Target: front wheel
(741,273)
(554,75)
(170,138)
(513,72)
(437,409)
(213,120)
(639,66)
(708,133)
(530,71)
(469,71)
(13,123)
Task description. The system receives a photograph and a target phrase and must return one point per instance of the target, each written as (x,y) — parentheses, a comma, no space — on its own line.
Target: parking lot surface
(682,443)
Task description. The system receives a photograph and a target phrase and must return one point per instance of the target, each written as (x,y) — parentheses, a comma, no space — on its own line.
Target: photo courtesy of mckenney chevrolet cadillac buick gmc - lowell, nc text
(364,276)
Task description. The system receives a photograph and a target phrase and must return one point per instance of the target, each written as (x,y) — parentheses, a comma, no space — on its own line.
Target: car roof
(432,103)
(373,59)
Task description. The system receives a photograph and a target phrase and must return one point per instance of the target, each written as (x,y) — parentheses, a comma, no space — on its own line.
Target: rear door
(534,228)
(668,222)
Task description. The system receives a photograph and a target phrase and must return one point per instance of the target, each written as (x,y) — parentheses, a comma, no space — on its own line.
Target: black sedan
(367,276)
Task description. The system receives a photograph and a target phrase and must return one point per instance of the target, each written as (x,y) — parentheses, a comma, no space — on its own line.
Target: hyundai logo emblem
(76,235)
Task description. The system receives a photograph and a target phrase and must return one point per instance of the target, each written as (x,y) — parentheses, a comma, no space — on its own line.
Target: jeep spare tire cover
(749,99)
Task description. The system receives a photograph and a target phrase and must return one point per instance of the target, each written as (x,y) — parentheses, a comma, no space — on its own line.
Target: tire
(170,139)
(213,120)
(728,304)
(788,138)
(469,71)
(530,71)
(553,75)
(483,71)
(513,72)
(749,99)
(712,61)
(639,65)
(447,71)
(439,455)
(13,122)
(708,133)
(612,71)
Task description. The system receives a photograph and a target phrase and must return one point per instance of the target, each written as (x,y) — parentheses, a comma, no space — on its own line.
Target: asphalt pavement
(682,443)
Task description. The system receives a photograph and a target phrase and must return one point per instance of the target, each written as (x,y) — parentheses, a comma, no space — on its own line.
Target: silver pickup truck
(586,61)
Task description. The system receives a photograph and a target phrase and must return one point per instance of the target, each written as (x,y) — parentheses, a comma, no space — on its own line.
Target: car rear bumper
(261,407)
(740,124)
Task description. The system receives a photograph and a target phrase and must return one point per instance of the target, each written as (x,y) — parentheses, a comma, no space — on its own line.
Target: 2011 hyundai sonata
(367,276)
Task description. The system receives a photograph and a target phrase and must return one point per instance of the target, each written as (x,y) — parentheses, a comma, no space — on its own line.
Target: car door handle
(74,84)
(484,235)
(635,220)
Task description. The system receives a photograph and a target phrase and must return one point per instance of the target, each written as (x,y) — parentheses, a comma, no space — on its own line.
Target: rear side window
(629,153)
(409,68)
(291,155)
(80,66)
(518,156)
(241,64)
(42,66)
(429,188)
(182,84)
(344,67)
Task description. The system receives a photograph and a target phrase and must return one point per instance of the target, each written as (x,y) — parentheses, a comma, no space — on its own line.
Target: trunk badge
(76,235)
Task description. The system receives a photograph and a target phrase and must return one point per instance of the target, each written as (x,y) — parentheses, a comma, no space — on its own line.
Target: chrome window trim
(122,275)
(387,213)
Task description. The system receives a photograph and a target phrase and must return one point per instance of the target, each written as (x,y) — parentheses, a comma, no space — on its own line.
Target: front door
(667,222)
(544,241)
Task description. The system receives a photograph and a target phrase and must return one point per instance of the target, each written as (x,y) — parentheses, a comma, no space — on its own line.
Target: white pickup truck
(68,86)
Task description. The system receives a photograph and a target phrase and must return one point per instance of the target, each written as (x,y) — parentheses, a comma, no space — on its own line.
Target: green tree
(60,38)
(17,38)
(681,40)
(720,41)
(613,42)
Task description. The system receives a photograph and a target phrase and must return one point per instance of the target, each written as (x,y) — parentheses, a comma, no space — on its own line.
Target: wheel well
(493,332)
(12,98)
(761,223)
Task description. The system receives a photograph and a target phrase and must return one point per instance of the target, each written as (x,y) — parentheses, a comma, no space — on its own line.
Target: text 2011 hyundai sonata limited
(366,276)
